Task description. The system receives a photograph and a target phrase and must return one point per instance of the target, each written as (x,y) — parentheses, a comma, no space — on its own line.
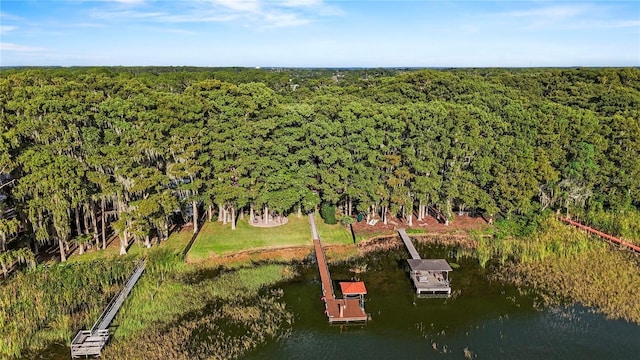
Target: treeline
(82,150)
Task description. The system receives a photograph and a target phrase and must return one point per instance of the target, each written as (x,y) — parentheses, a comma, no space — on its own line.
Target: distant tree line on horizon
(85,149)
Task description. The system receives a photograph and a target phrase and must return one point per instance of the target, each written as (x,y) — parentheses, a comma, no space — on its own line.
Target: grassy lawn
(176,243)
(218,239)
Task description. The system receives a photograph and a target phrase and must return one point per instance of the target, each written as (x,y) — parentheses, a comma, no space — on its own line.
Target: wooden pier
(429,276)
(351,307)
(613,239)
(408,244)
(88,343)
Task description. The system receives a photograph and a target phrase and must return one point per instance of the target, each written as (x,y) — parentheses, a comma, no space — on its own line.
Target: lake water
(489,320)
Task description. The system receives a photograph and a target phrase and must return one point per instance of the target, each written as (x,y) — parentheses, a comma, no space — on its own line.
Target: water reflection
(482,320)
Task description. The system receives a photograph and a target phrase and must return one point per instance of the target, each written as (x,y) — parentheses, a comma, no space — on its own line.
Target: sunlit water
(489,320)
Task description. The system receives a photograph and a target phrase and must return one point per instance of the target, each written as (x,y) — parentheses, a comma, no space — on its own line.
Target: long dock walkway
(90,342)
(409,245)
(429,276)
(603,235)
(337,310)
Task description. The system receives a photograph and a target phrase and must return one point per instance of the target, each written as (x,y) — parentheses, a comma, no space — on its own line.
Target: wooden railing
(90,342)
(112,309)
(605,236)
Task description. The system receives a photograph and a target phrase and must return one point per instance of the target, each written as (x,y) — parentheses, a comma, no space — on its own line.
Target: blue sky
(317,33)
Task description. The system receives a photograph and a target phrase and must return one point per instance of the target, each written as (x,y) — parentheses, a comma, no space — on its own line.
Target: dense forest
(86,151)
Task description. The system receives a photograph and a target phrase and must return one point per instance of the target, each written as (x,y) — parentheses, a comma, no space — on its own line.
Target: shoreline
(336,252)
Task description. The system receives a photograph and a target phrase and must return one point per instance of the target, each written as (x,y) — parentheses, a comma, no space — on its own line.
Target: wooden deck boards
(325,278)
(407,242)
(426,280)
(351,310)
(90,342)
(337,310)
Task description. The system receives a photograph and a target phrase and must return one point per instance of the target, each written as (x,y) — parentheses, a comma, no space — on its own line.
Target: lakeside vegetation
(623,223)
(83,151)
(599,278)
(563,264)
(200,312)
(48,304)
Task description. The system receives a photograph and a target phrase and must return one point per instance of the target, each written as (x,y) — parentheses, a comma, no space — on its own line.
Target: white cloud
(18,47)
(251,6)
(7,16)
(301,3)
(124,14)
(6,28)
(257,13)
(617,24)
(569,16)
(128,2)
(555,12)
(277,19)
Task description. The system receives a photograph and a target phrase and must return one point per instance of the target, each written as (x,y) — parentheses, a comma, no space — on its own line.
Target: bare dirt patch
(429,225)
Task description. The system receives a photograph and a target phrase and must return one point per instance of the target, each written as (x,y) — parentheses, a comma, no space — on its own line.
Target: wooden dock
(408,244)
(613,239)
(91,342)
(337,310)
(429,276)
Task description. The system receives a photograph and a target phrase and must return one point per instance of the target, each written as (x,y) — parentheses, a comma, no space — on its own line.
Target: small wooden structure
(351,307)
(90,342)
(354,290)
(429,276)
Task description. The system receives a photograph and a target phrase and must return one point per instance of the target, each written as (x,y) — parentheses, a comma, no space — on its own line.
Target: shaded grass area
(176,243)
(216,239)
(181,312)
(49,304)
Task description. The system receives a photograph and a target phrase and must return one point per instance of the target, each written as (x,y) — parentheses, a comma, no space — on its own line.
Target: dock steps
(88,343)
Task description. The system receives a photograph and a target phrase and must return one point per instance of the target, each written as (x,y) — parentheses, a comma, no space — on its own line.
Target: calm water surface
(490,320)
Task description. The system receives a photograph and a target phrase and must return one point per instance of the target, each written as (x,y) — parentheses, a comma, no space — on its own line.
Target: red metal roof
(353,288)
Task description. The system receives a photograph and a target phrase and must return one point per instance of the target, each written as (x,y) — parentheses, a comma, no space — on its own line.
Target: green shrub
(328,214)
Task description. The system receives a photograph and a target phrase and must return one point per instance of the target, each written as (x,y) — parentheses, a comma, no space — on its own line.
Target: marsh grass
(601,278)
(624,224)
(49,304)
(221,330)
(199,311)
(549,238)
(564,264)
